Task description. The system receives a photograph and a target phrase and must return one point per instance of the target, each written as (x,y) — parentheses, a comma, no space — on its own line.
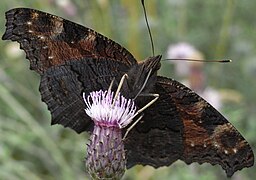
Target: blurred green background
(32,149)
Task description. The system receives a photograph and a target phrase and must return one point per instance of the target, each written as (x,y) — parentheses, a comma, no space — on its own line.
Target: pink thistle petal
(103,111)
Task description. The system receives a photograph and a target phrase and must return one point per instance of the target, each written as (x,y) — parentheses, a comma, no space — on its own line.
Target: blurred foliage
(31,149)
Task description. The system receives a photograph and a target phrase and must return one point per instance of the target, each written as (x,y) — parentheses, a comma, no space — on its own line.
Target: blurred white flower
(192,73)
(13,50)
(182,50)
(67,6)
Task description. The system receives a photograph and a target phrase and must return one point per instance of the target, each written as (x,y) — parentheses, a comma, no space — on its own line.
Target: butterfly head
(152,62)
(142,77)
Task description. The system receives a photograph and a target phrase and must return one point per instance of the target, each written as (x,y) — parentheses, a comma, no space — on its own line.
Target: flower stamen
(107,111)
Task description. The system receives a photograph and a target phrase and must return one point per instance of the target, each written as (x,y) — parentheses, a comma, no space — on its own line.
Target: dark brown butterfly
(72,59)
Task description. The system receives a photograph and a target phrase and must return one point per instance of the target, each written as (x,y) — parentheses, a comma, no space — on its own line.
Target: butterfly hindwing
(61,88)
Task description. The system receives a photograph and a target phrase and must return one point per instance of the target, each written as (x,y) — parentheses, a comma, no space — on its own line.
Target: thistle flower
(105,154)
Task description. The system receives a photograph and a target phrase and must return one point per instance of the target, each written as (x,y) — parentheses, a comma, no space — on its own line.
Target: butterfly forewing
(70,58)
(49,40)
(182,125)
(207,135)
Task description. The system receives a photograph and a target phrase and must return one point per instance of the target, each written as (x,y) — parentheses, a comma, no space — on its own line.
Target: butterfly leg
(130,128)
(119,87)
(111,84)
(156,96)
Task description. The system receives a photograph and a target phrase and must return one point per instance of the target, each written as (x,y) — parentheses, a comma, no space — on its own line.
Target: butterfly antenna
(199,60)
(149,31)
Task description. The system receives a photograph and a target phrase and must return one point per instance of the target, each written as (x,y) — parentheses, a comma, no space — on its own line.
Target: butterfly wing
(70,59)
(156,139)
(61,87)
(206,136)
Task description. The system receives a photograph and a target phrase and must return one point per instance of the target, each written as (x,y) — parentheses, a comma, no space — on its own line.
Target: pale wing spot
(91,36)
(222,128)
(35,15)
(57,26)
(216,144)
(41,37)
(197,109)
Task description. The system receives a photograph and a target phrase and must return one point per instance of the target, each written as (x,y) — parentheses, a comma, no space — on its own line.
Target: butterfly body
(72,59)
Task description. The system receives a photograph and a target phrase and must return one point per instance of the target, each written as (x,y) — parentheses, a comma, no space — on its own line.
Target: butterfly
(72,59)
